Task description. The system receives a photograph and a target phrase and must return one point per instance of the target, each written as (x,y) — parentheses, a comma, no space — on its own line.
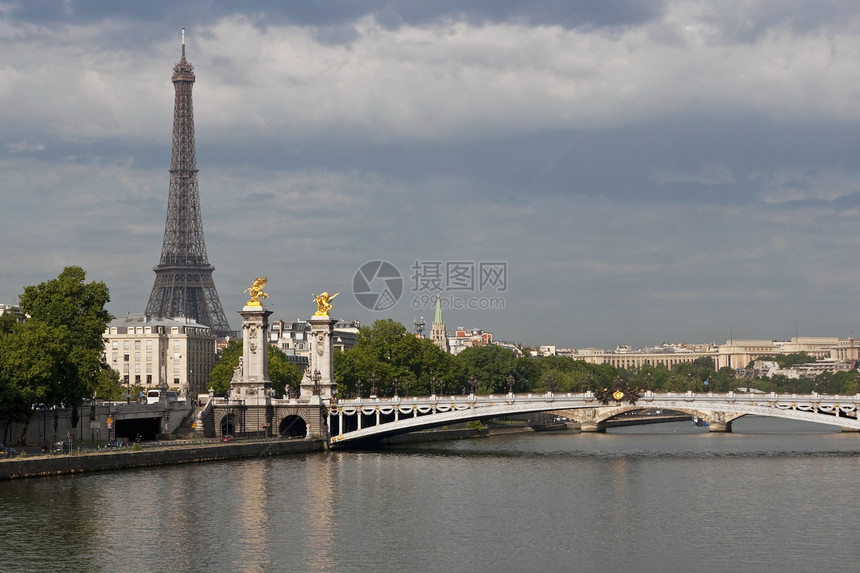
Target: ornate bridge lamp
(359,388)
(373,381)
(549,382)
(510,382)
(432,385)
(396,385)
(473,384)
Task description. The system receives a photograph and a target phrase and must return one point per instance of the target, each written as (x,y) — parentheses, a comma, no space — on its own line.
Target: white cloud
(796,183)
(24,145)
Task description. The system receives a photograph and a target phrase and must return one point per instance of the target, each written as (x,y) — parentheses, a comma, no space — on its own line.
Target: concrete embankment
(106,461)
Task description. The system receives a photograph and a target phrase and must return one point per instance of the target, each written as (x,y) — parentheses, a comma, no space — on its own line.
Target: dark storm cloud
(334,13)
(642,167)
(749,21)
(685,160)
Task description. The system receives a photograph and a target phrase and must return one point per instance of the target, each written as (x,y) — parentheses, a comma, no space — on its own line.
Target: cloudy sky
(647,171)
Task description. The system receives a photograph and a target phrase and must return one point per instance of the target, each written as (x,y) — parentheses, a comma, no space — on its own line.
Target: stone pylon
(250,382)
(318,380)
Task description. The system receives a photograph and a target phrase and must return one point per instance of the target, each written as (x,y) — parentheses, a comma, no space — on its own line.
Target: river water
(772,496)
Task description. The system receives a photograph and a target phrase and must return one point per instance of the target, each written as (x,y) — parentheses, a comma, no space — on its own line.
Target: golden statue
(324,303)
(256,291)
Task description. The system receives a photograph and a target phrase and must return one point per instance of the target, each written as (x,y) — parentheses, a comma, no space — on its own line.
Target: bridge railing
(648,396)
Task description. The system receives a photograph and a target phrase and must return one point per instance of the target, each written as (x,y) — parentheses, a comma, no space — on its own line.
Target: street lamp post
(373,381)
(510,381)
(396,385)
(359,387)
(473,384)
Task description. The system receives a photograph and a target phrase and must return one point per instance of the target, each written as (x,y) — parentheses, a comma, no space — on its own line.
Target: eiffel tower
(183,278)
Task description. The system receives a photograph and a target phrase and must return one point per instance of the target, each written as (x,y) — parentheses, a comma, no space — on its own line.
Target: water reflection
(643,501)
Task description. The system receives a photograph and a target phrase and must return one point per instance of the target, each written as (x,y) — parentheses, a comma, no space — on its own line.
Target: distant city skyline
(669,172)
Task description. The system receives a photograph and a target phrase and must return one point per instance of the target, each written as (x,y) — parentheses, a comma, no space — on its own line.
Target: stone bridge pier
(593,419)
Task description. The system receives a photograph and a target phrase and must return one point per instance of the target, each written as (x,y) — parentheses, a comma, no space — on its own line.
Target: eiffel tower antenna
(183,277)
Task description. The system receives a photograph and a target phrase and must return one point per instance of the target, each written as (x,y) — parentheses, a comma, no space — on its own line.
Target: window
(149,367)
(149,378)
(125,369)
(149,356)
(126,345)
(137,356)
(115,345)
(137,368)
(137,344)
(137,379)
(176,368)
(115,356)
(176,380)
(125,357)
(175,345)
(149,345)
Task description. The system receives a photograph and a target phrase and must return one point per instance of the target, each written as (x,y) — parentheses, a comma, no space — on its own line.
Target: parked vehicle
(153,396)
(7,451)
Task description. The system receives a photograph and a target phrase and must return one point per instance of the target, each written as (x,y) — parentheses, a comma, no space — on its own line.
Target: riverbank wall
(41,466)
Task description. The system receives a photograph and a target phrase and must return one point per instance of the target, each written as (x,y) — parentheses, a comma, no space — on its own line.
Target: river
(772,496)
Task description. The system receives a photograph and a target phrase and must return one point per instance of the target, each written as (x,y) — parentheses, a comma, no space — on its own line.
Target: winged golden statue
(324,303)
(256,291)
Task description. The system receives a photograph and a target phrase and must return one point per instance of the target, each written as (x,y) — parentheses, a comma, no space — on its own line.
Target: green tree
(75,312)
(388,353)
(54,358)
(489,365)
(108,385)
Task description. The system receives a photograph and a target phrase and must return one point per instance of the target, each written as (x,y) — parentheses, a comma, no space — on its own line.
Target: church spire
(438,334)
(438,317)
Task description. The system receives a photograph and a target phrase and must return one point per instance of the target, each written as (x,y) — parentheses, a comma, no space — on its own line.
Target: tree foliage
(388,354)
(53,358)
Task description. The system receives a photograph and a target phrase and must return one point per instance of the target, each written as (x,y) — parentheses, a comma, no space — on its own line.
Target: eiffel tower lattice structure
(183,277)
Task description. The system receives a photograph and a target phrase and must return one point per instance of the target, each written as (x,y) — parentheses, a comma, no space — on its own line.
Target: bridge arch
(594,419)
(292,426)
(345,419)
(229,422)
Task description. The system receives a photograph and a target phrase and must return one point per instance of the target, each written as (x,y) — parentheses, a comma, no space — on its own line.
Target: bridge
(353,421)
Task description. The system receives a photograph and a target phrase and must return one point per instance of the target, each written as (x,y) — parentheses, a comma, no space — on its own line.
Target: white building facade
(143,349)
